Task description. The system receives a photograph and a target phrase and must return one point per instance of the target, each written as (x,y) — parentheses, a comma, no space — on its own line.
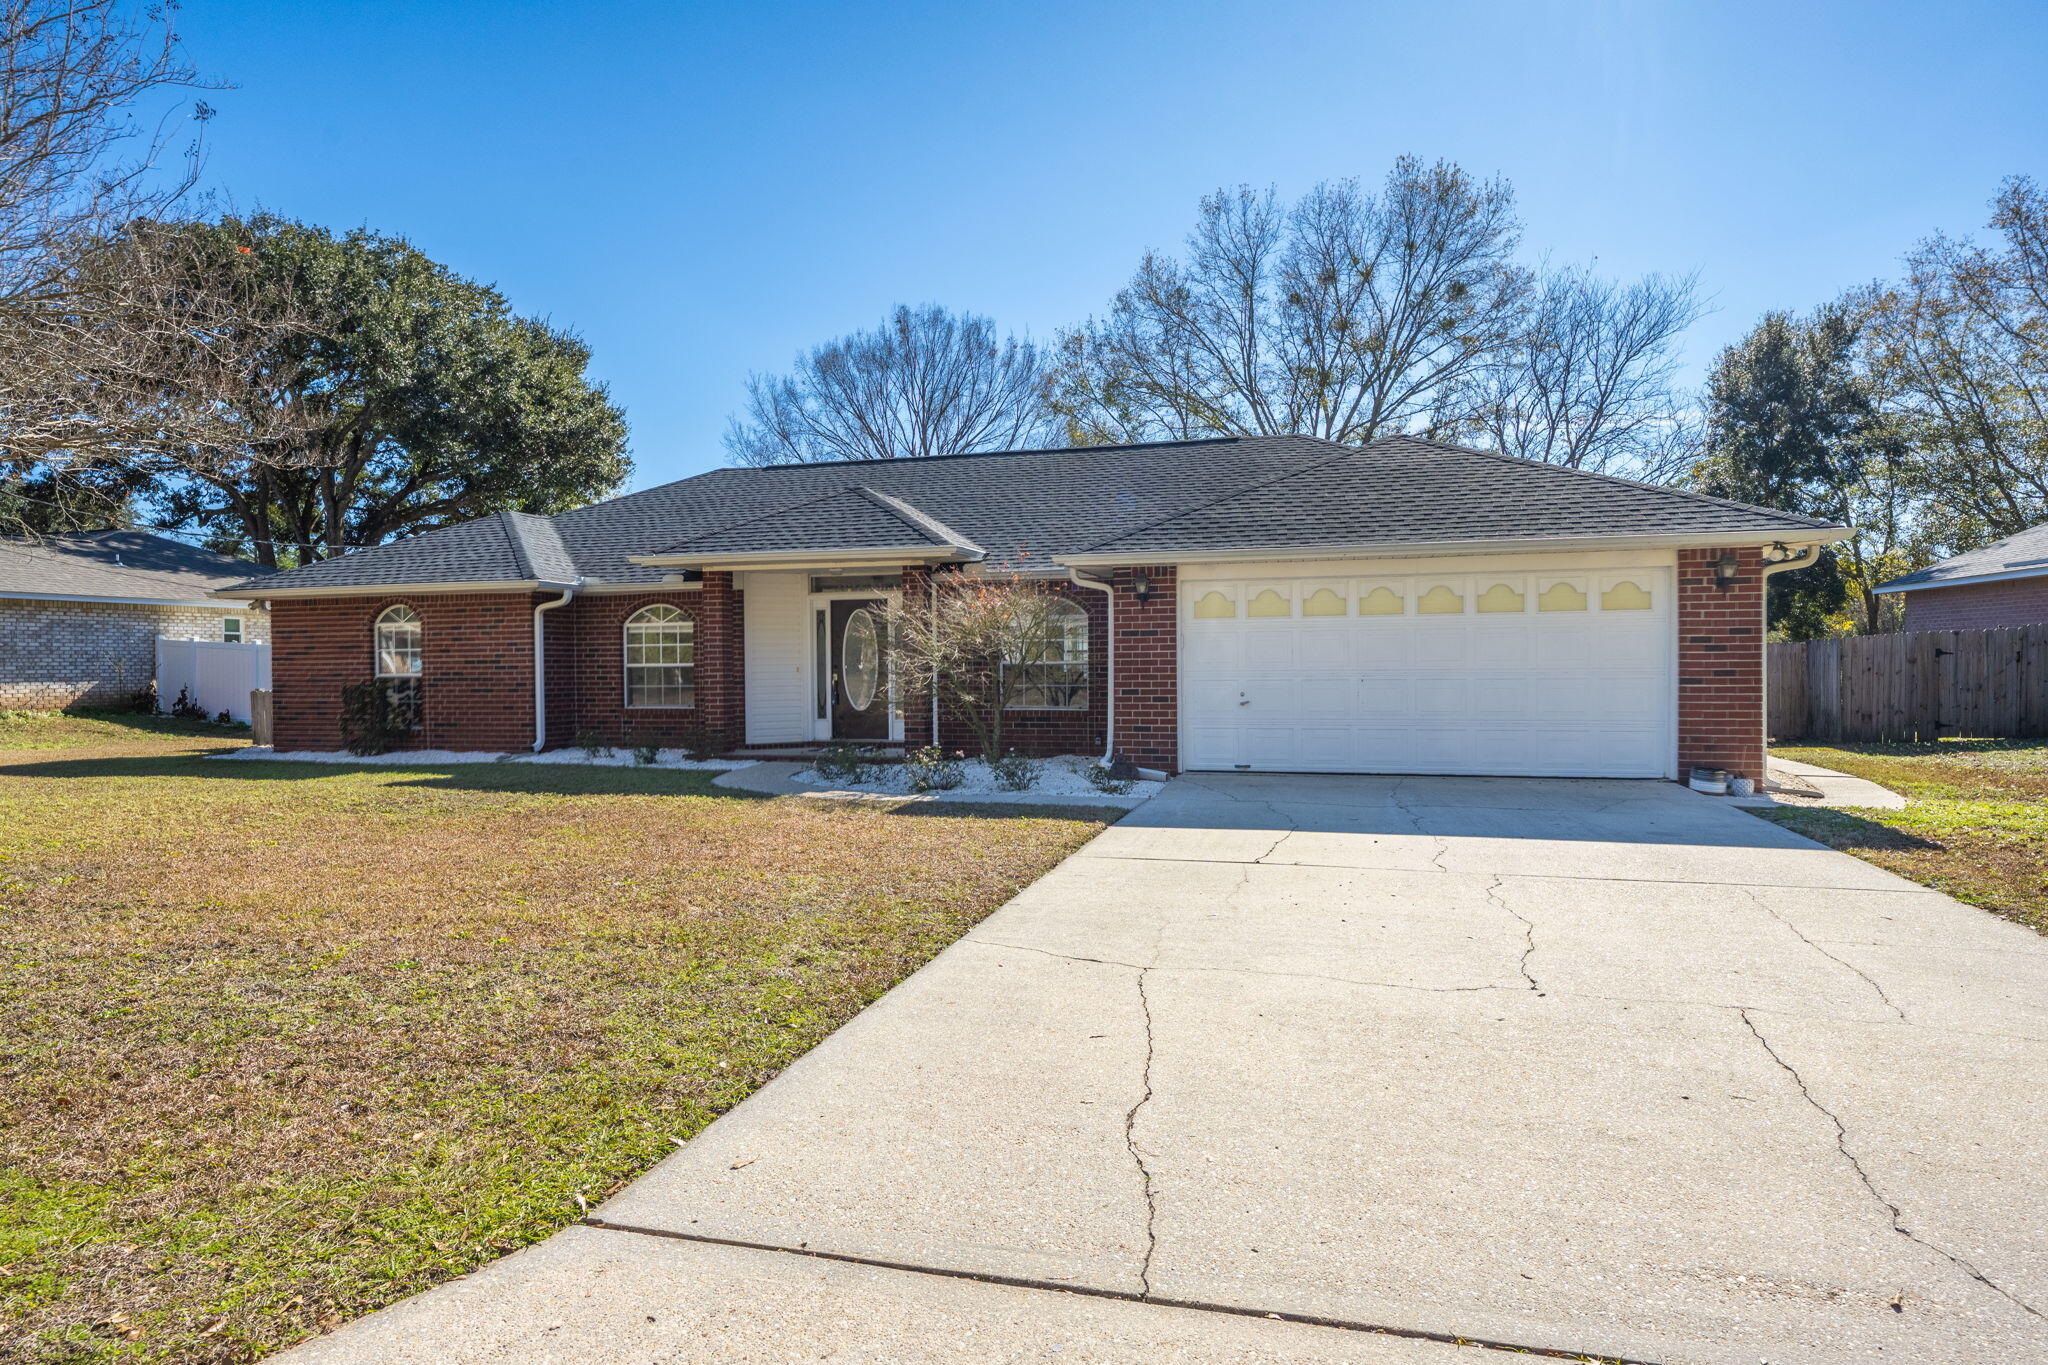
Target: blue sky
(703,190)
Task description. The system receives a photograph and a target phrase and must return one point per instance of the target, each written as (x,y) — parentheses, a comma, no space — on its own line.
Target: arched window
(661,658)
(1055,678)
(397,642)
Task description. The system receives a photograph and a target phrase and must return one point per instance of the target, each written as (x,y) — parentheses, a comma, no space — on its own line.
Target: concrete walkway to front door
(1592,1067)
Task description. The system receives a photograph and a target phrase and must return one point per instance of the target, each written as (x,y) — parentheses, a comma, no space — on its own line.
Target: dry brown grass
(282,1043)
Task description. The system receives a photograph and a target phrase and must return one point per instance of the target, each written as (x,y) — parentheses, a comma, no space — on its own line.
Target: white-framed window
(231,630)
(661,658)
(397,638)
(1057,680)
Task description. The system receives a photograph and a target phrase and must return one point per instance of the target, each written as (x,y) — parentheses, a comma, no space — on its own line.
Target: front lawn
(282,1043)
(1975,824)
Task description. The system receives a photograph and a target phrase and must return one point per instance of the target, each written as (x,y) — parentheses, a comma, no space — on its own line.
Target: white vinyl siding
(780,683)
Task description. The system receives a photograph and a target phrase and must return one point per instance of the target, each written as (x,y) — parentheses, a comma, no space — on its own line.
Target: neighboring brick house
(1274,603)
(80,614)
(2003,584)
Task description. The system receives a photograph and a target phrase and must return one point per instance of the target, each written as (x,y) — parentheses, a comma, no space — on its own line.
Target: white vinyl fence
(218,676)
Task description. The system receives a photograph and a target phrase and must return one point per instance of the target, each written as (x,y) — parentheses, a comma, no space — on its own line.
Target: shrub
(593,744)
(1104,779)
(1014,772)
(184,708)
(702,744)
(932,769)
(144,701)
(846,763)
(377,716)
(645,754)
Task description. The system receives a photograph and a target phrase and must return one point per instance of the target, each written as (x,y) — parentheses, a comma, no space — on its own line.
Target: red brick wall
(1721,665)
(587,671)
(476,667)
(1978,606)
(1147,644)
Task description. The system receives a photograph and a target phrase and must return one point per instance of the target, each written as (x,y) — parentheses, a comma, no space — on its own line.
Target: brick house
(2003,584)
(1277,603)
(80,614)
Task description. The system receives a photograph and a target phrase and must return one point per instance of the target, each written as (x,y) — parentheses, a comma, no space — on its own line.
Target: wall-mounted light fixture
(1141,587)
(1725,569)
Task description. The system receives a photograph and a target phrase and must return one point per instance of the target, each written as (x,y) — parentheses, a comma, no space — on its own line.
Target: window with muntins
(1057,679)
(398,637)
(661,658)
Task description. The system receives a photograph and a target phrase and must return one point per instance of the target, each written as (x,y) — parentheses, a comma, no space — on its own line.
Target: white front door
(1528,669)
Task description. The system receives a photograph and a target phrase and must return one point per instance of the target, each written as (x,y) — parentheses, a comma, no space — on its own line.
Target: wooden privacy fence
(1989,684)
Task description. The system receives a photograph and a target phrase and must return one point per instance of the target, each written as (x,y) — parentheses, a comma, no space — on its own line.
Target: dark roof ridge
(521,561)
(915,517)
(1506,458)
(983,454)
(1342,452)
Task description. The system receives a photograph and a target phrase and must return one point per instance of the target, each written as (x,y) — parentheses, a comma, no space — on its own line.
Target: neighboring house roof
(1029,510)
(2022,556)
(116,566)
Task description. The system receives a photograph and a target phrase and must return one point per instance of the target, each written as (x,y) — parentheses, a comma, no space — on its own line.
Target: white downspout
(1109,632)
(540,663)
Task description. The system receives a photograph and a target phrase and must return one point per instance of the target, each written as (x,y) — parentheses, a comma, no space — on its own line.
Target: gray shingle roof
(2022,556)
(1025,508)
(125,565)
(1402,490)
(847,518)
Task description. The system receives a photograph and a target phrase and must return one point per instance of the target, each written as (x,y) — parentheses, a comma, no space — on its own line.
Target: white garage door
(1548,673)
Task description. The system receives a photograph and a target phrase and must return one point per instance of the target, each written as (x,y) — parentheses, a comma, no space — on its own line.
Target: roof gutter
(1816,535)
(800,559)
(113,601)
(1108,592)
(387,589)
(540,663)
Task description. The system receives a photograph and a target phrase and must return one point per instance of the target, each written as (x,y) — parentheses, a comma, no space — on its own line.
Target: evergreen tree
(1790,425)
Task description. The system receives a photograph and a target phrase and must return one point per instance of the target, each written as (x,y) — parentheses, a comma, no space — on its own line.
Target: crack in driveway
(1868,979)
(1856,1164)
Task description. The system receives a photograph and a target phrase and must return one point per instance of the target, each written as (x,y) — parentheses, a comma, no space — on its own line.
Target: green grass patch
(283,1043)
(1975,825)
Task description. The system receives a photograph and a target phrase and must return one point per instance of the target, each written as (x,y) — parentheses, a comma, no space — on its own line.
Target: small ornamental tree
(963,641)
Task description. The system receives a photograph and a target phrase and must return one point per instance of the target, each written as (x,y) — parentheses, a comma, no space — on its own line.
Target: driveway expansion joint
(1856,1164)
(1125,1296)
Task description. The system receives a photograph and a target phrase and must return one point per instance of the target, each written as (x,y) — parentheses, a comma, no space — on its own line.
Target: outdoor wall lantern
(1141,588)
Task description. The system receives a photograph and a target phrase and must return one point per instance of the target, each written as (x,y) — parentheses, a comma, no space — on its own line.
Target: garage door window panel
(1503,596)
(1441,599)
(1268,601)
(1382,599)
(1324,599)
(1626,595)
(1562,595)
(1215,604)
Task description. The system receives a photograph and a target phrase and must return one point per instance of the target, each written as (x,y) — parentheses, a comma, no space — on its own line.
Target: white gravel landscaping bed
(435,758)
(1060,782)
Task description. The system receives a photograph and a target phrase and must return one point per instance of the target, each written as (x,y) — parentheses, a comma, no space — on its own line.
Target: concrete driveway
(1587,1067)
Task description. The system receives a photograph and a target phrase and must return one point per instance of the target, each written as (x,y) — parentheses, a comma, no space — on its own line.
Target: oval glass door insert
(860,656)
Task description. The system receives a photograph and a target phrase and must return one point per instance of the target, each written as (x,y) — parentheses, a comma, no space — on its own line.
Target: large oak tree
(415,397)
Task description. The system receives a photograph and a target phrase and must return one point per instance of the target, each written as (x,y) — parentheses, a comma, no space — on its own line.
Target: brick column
(721,662)
(1145,639)
(1721,664)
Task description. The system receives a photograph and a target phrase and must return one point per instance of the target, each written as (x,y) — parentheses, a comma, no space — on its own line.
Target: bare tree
(977,643)
(1588,382)
(1347,315)
(83,343)
(926,382)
